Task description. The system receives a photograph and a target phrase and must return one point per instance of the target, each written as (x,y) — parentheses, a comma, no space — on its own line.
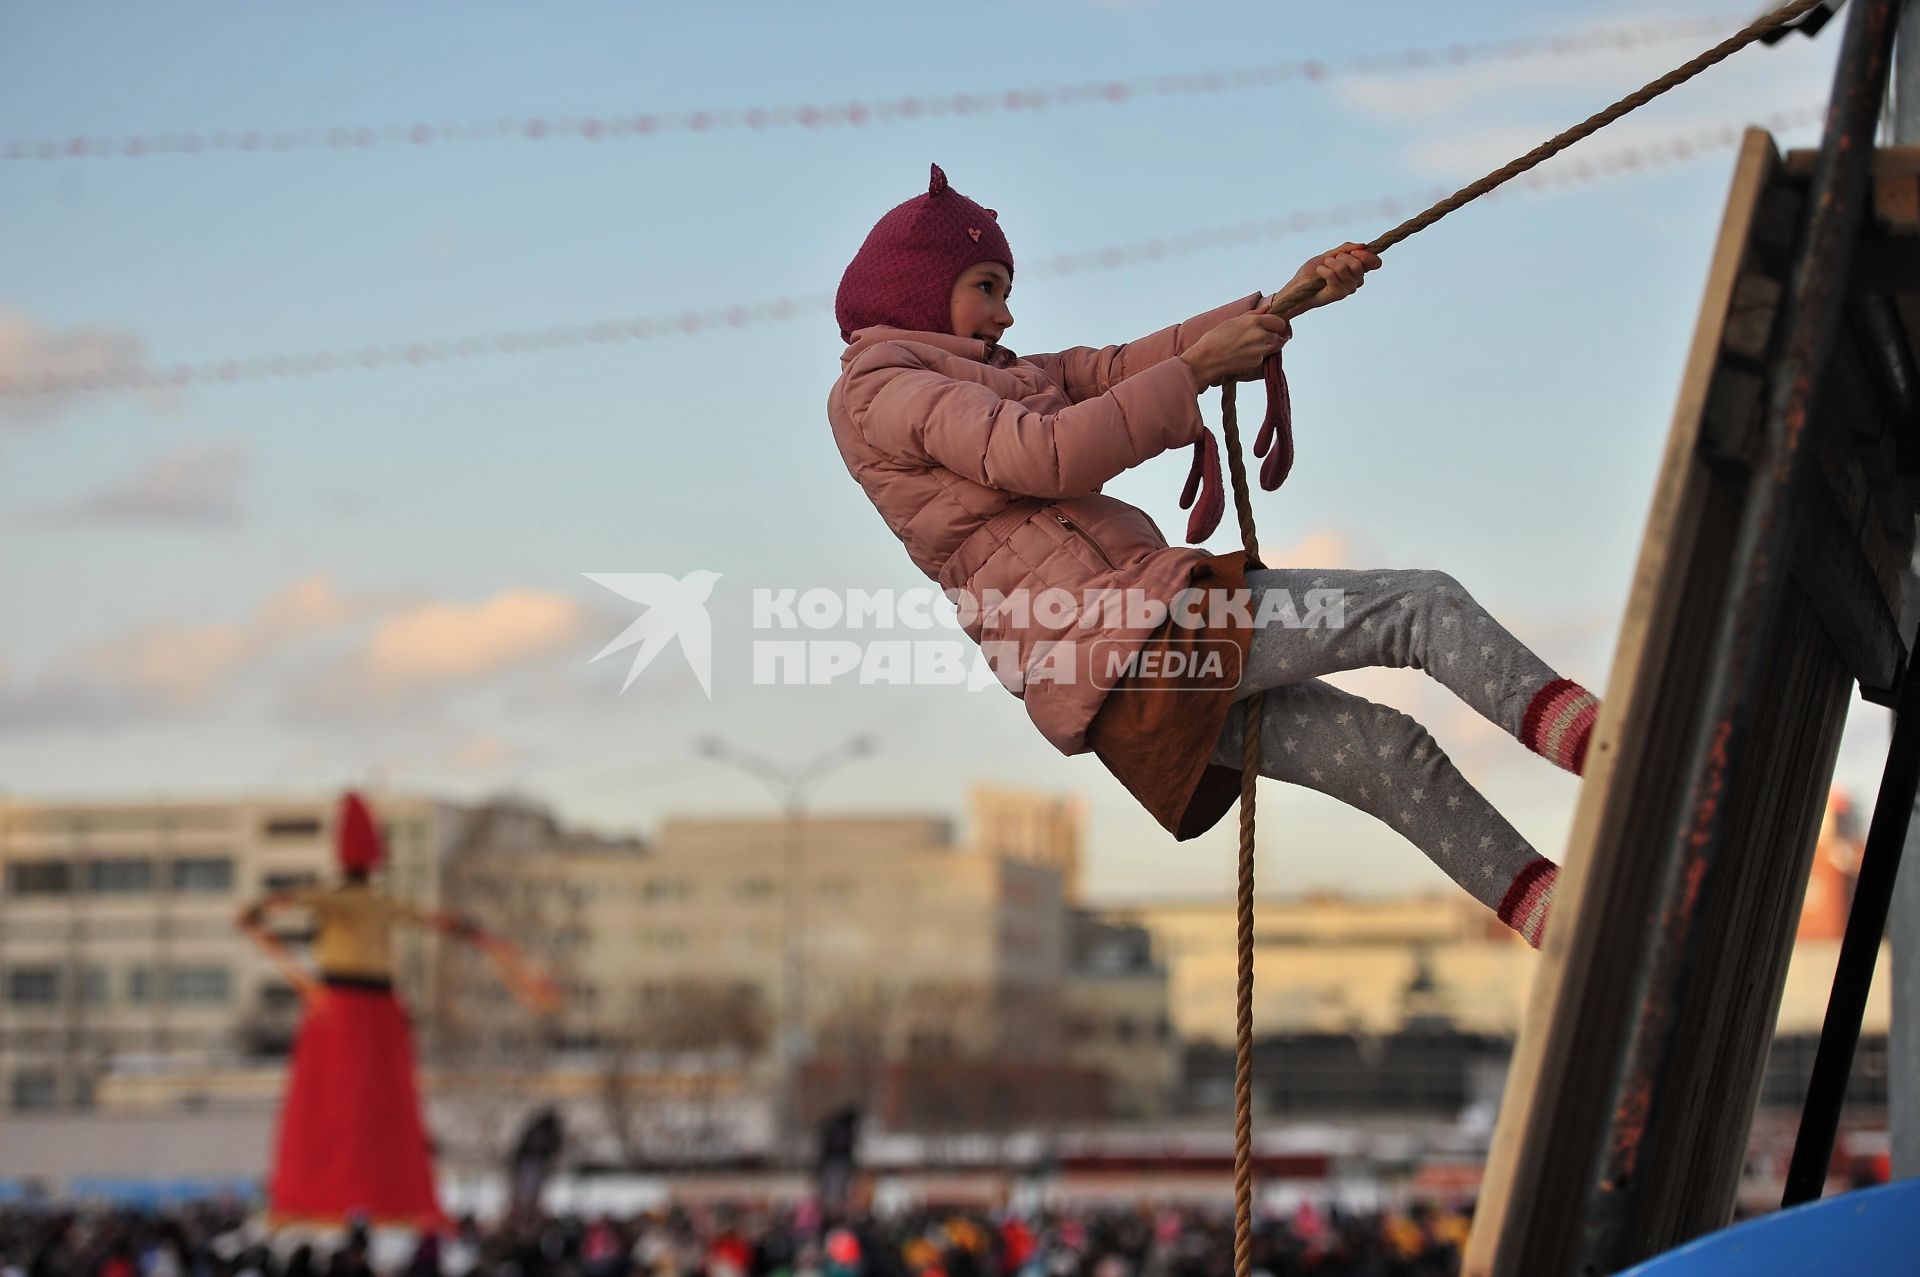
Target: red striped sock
(1529,900)
(1559,724)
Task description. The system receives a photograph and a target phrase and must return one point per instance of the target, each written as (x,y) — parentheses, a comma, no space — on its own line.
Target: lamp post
(791,784)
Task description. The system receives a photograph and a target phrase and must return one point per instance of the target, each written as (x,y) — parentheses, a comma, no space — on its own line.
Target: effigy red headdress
(356,838)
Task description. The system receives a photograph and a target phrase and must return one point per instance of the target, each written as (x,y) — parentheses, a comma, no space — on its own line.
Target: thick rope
(1243,992)
(1237,471)
(1289,304)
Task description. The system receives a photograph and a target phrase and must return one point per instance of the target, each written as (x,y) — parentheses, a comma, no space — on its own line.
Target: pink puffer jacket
(990,473)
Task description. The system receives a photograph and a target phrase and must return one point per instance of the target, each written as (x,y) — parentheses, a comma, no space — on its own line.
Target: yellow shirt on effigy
(354,929)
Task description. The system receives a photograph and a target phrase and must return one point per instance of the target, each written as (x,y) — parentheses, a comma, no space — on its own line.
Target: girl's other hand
(1235,350)
(1341,273)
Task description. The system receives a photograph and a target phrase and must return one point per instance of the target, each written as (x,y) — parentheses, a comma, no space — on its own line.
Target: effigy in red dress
(351,1141)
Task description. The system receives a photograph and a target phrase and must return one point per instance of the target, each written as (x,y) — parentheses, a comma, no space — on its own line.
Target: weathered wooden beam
(1557,1117)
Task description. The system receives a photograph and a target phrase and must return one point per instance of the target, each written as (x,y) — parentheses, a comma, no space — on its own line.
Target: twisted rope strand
(1289,303)
(1243,992)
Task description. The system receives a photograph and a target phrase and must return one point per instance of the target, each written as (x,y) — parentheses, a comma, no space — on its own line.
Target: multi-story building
(879,929)
(1030,825)
(1335,963)
(1388,1005)
(1118,1018)
(876,958)
(117,935)
(720,945)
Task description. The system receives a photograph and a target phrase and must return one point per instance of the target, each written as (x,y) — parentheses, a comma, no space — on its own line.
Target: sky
(379,576)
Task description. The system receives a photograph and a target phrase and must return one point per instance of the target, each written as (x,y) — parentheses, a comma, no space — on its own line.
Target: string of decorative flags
(856,113)
(1574,170)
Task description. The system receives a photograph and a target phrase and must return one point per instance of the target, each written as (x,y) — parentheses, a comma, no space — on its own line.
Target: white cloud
(482,753)
(1318,548)
(1417,97)
(180,665)
(310,604)
(1470,152)
(197,484)
(335,658)
(418,654)
(437,642)
(1468,120)
(168,667)
(30,352)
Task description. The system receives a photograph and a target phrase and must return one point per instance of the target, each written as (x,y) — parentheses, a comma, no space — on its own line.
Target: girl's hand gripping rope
(1323,279)
(1339,273)
(1235,350)
(1241,349)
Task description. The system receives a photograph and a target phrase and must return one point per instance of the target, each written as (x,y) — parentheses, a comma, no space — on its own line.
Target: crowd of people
(225,1240)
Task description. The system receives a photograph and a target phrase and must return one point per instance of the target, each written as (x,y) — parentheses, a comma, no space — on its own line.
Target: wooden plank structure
(1768,584)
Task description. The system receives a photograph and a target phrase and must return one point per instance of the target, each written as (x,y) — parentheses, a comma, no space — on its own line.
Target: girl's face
(980,296)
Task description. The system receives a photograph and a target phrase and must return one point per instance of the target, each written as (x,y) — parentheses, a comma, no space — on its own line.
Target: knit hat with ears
(903,275)
(356,838)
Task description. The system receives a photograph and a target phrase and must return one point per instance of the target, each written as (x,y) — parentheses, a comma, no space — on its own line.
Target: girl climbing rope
(351,1139)
(988,467)
(945,429)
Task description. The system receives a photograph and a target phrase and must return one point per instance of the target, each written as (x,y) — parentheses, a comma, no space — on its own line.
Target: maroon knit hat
(903,275)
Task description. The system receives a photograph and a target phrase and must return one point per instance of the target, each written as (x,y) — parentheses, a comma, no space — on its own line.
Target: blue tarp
(1867,1233)
(150,1194)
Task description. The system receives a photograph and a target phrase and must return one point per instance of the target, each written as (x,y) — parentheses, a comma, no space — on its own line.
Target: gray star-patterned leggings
(1369,755)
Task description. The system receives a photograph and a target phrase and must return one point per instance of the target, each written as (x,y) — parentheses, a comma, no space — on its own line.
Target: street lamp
(790,783)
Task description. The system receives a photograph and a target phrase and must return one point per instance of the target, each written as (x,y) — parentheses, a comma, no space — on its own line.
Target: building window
(840,889)
(754,889)
(93,985)
(38,1089)
(197,818)
(39,878)
(140,984)
(121,874)
(203,873)
(66,823)
(662,889)
(291,827)
(33,986)
(288,881)
(279,998)
(197,984)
